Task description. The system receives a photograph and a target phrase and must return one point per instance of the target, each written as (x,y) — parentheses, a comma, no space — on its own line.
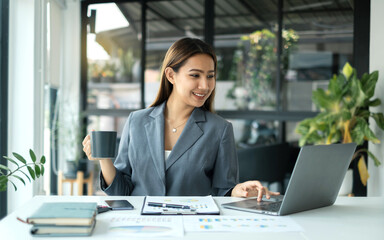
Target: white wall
(31,64)
(21,91)
(376,180)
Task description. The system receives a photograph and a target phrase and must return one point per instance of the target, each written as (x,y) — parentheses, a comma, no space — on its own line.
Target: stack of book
(64,219)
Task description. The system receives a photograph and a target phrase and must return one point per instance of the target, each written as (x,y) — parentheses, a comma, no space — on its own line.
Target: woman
(177,146)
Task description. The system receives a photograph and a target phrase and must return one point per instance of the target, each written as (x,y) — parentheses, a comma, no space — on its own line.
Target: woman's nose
(203,83)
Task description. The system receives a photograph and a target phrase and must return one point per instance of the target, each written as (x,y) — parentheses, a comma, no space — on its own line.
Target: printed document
(180,205)
(256,223)
(145,226)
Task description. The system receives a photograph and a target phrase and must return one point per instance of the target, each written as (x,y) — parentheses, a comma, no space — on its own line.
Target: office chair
(267,163)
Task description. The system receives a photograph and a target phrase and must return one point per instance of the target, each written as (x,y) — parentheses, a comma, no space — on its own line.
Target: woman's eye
(211,76)
(194,75)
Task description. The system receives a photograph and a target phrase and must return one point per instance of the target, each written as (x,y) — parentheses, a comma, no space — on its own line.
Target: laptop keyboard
(268,206)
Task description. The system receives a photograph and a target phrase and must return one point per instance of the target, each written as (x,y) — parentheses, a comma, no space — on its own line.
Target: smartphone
(119,204)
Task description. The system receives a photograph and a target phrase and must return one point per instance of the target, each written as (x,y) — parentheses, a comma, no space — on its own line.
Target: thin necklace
(174,129)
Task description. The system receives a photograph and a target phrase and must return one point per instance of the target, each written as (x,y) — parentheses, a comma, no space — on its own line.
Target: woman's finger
(260,193)
(274,193)
(86,139)
(267,193)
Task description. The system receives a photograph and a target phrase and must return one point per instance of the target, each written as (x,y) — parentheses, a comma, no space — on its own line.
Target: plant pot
(123,79)
(107,79)
(95,79)
(346,186)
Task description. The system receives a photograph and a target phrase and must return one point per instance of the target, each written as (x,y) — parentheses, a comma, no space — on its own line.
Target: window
(271,55)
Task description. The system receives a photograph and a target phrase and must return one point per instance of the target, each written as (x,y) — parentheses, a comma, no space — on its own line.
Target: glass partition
(324,32)
(114,54)
(246,43)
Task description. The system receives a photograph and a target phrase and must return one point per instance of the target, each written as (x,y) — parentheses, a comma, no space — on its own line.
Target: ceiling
(314,20)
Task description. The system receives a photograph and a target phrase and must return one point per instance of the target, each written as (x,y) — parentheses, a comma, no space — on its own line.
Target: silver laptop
(315,182)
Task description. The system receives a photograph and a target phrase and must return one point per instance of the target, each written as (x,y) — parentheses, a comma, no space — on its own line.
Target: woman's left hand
(252,189)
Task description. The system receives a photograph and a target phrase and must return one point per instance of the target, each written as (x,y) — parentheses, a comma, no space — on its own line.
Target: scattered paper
(146,226)
(240,224)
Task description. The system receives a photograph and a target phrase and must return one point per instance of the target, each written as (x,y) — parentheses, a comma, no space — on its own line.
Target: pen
(168,205)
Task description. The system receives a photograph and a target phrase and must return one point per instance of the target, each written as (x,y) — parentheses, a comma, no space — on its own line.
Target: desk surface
(349,218)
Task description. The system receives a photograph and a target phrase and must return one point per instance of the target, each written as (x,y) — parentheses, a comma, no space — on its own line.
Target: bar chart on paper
(240,224)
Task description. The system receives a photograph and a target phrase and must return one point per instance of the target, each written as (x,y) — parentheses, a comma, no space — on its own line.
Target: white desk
(350,218)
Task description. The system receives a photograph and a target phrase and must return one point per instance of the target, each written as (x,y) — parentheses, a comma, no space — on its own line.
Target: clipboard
(191,205)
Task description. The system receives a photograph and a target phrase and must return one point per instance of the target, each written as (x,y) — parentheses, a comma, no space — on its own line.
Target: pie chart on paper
(140,230)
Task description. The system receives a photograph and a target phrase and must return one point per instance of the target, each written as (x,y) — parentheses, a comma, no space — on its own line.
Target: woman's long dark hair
(175,58)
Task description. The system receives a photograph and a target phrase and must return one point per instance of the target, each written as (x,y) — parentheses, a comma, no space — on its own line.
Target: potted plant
(108,73)
(35,170)
(94,72)
(126,62)
(70,135)
(254,68)
(344,115)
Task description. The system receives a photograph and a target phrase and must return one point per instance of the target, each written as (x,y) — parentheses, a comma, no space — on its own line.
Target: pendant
(174,130)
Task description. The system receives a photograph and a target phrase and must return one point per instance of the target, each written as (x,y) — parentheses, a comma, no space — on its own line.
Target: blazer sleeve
(122,183)
(225,174)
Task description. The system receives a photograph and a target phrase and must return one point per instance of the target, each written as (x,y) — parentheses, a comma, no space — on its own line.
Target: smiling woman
(186,149)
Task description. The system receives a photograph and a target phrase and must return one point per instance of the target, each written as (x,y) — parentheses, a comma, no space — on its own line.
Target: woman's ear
(170,75)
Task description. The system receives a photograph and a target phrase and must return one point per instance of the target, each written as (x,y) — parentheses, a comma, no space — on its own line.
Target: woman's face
(195,80)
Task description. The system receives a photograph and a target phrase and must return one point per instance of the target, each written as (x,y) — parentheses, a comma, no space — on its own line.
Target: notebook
(62,230)
(315,182)
(64,213)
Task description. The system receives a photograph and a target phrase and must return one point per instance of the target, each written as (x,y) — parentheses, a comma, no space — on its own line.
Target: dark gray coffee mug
(103,144)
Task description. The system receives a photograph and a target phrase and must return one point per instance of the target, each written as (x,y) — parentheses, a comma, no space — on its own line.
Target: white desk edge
(349,218)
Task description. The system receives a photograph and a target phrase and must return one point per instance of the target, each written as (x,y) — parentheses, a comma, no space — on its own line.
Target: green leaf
(347,70)
(13,184)
(33,155)
(370,135)
(22,180)
(370,84)
(363,113)
(357,133)
(379,118)
(31,172)
(5,168)
(3,187)
(342,81)
(321,99)
(374,103)
(357,92)
(26,176)
(42,170)
(37,171)
(11,160)
(335,87)
(346,115)
(3,179)
(364,79)
(19,157)
(42,159)
(374,158)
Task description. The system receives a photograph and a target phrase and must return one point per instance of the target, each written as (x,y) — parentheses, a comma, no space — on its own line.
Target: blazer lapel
(191,133)
(153,129)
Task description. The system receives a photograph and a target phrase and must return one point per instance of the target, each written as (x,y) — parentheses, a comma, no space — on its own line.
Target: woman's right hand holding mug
(87,147)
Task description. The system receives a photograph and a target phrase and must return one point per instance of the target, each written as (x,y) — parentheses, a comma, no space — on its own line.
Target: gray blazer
(202,162)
